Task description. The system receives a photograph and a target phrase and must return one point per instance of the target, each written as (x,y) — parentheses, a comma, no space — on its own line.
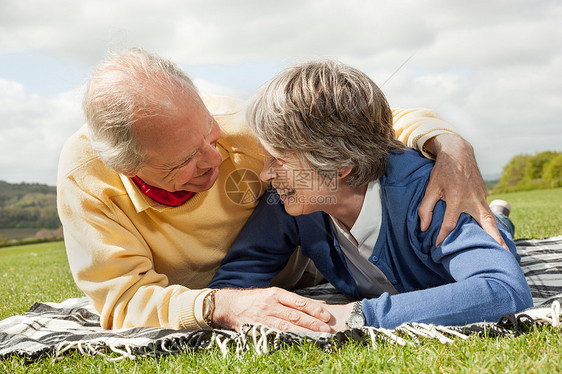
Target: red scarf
(162,196)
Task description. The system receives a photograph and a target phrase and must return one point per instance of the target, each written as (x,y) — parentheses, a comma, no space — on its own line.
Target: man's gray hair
(329,115)
(127,87)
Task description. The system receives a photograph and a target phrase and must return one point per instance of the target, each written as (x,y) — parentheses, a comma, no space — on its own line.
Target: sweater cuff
(420,140)
(199,307)
(190,312)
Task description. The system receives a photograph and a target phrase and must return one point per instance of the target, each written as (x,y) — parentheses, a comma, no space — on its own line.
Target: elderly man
(155,188)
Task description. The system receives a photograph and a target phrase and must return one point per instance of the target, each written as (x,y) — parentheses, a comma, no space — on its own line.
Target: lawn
(40,273)
(536,214)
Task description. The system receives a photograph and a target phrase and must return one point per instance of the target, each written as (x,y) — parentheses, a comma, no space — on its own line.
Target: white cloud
(33,131)
(489,67)
(208,88)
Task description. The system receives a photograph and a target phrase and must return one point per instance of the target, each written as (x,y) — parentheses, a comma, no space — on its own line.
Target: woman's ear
(344,173)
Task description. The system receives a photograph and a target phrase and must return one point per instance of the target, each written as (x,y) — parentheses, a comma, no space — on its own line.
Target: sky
(492,69)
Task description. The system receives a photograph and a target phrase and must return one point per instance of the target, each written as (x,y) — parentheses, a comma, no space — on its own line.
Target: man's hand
(455,178)
(273,307)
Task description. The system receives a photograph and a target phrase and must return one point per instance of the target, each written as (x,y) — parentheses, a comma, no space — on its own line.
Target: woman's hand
(340,314)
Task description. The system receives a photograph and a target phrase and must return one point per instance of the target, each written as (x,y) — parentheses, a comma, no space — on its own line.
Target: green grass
(536,214)
(40,273)
(35,272)
(538,352)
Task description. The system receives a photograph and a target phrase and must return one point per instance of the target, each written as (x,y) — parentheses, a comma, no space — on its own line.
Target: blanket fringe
(260,339)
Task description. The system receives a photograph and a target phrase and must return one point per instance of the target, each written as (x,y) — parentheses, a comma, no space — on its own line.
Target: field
(40,273)
(536,214)
(18,234)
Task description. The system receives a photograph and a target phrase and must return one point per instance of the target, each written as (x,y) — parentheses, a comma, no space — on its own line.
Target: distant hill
(28,206)
(494,177)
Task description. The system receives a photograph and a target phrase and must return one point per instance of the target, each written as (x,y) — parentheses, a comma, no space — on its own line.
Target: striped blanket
(73,325)
(541,262)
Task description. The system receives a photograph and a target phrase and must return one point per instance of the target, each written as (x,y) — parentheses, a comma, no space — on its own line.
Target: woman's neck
(349,201)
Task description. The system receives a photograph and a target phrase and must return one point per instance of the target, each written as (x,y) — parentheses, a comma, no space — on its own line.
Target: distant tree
(535,164)
(513,172)
(552,171)
(525,172)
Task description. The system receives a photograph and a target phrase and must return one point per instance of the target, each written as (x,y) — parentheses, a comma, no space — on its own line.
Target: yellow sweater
(144,264)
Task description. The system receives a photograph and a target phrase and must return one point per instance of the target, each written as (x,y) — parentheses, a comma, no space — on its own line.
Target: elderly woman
(352,194)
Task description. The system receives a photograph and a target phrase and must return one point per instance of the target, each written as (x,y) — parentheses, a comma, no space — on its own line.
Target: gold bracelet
(208,317)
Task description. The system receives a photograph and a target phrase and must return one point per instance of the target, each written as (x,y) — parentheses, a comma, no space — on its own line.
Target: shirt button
(374,258)
(394,282)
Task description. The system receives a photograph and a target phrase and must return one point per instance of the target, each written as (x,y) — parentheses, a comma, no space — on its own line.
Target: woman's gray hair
(329,115)
(125,88)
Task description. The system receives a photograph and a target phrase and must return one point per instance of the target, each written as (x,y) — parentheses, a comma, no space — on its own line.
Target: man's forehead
(211,122)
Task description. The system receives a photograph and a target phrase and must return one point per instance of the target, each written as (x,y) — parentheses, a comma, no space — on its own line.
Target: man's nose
(210,157)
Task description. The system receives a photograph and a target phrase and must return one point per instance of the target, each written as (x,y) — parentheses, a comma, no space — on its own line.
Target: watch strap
(356,320)
(358,307)
(209,308)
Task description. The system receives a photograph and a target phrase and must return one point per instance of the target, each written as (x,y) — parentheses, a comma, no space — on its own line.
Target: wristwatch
(356,319)
(209,308)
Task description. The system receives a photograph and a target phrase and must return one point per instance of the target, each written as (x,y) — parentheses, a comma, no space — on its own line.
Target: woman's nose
(267,174)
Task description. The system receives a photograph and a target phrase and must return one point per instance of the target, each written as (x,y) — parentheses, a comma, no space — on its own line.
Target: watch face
(355,321)
(207,306)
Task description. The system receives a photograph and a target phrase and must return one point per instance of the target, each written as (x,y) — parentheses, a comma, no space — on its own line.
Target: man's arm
(455,178)
(112,265)
(271,306)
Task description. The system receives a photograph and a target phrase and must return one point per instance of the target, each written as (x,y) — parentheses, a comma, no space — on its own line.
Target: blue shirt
(468,278)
